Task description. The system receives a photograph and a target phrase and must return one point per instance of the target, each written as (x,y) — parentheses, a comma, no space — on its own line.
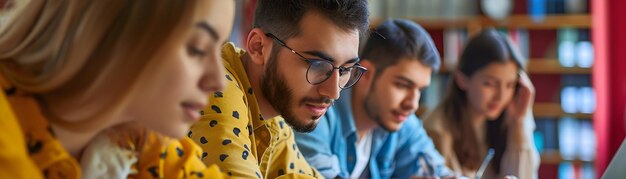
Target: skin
(492,89)
(281,77)
(182,83)
(388,99)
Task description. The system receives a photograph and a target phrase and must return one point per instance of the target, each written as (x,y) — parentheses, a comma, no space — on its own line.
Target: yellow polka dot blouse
(234,135)
(31,150)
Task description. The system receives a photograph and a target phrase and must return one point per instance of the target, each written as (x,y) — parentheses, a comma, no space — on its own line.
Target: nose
(330,88)
(499,93)
(213,76)
(411,102)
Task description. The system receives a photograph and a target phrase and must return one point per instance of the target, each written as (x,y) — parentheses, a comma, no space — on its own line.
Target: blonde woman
(488,105)
(100,89)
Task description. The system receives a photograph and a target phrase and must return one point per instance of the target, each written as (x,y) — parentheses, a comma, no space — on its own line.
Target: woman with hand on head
(488,105)
(108,89)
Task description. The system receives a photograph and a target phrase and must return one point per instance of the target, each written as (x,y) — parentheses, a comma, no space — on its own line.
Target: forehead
(411,69)
(499,70)
(217,14)
(318,32)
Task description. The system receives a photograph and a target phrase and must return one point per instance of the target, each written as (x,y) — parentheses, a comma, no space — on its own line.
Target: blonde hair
(87,50)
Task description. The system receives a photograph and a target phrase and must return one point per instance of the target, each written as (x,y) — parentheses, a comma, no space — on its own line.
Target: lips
(317,109)
(192,110)
(400,116)
(492,107)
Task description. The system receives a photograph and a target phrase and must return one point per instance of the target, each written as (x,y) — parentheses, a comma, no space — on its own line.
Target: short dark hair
(399,38)
(282,17)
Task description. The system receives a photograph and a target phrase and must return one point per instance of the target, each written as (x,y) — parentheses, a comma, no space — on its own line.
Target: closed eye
(195,52)
(344,70)
(402,85)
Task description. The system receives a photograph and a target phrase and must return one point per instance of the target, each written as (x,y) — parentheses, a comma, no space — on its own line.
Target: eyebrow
(327,57)
(489,77)
(405,79)
(209,29)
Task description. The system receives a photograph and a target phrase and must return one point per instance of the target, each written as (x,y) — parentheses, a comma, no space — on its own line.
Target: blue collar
(343,108)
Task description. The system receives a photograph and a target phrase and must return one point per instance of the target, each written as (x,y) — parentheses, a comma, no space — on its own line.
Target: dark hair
(399,38)
(489,46)
(282,17)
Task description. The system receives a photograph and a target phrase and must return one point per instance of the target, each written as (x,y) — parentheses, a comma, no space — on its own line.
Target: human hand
(521,102)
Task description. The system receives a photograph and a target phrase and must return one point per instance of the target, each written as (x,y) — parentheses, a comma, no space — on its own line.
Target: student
(300,55)
(96,89)
(372,131)
(488,105)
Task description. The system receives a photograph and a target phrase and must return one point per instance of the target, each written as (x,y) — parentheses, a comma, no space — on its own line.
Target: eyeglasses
(320,70)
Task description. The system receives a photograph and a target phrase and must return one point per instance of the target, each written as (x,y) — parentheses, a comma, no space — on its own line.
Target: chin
(176,131)
(493,116)
(392,127)
(304,125)
(396,128)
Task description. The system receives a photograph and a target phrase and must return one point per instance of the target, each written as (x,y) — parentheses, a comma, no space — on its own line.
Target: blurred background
(577,63)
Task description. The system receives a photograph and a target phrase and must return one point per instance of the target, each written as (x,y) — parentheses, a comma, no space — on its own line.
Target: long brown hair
(489,46)
(88,50)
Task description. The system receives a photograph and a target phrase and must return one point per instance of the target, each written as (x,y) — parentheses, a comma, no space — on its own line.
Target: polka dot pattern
(233,131)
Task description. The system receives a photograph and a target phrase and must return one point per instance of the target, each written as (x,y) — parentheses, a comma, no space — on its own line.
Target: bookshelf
(474,24)
(554,157)
(552,66)
(549,22)
(540,110)
(513,21)
(543,66)
(553,111)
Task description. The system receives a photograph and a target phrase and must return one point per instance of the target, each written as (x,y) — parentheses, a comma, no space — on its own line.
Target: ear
(366,80)
(259,46)
(461,80)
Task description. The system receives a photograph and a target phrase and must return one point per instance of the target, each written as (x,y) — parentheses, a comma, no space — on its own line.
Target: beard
(275,90)
(371,110)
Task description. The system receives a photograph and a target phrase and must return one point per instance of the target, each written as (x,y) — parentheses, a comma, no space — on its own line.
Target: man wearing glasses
(299,56)
(372,131)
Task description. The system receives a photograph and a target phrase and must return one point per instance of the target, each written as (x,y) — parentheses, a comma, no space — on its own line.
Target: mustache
(320,100)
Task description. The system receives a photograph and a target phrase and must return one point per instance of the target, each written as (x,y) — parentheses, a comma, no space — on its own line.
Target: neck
(362,121)
(255,76)
(73,141)
(71,126)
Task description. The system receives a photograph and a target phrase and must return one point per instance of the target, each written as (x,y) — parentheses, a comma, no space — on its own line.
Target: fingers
(525,82)
(526,89)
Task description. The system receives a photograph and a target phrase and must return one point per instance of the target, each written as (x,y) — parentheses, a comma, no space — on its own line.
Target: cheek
(393,98)
(480,96)
(296,81)
(179,76)
(509,94)
(175,79)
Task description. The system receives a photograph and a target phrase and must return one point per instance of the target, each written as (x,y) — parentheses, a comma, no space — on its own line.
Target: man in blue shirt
(372,131)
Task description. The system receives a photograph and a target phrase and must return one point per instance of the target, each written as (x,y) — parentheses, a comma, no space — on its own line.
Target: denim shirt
(331,147)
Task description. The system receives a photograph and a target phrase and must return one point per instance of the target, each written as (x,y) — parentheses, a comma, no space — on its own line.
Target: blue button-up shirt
(331,147)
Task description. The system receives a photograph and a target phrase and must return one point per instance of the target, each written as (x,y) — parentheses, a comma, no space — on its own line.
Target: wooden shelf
(542,66)
(554,157)
(551,110)
(549,22)
(433,22)
(554,110)
(552,66)
(513,21)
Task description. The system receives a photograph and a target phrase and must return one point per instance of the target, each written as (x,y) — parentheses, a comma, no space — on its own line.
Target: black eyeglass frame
(329,74)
